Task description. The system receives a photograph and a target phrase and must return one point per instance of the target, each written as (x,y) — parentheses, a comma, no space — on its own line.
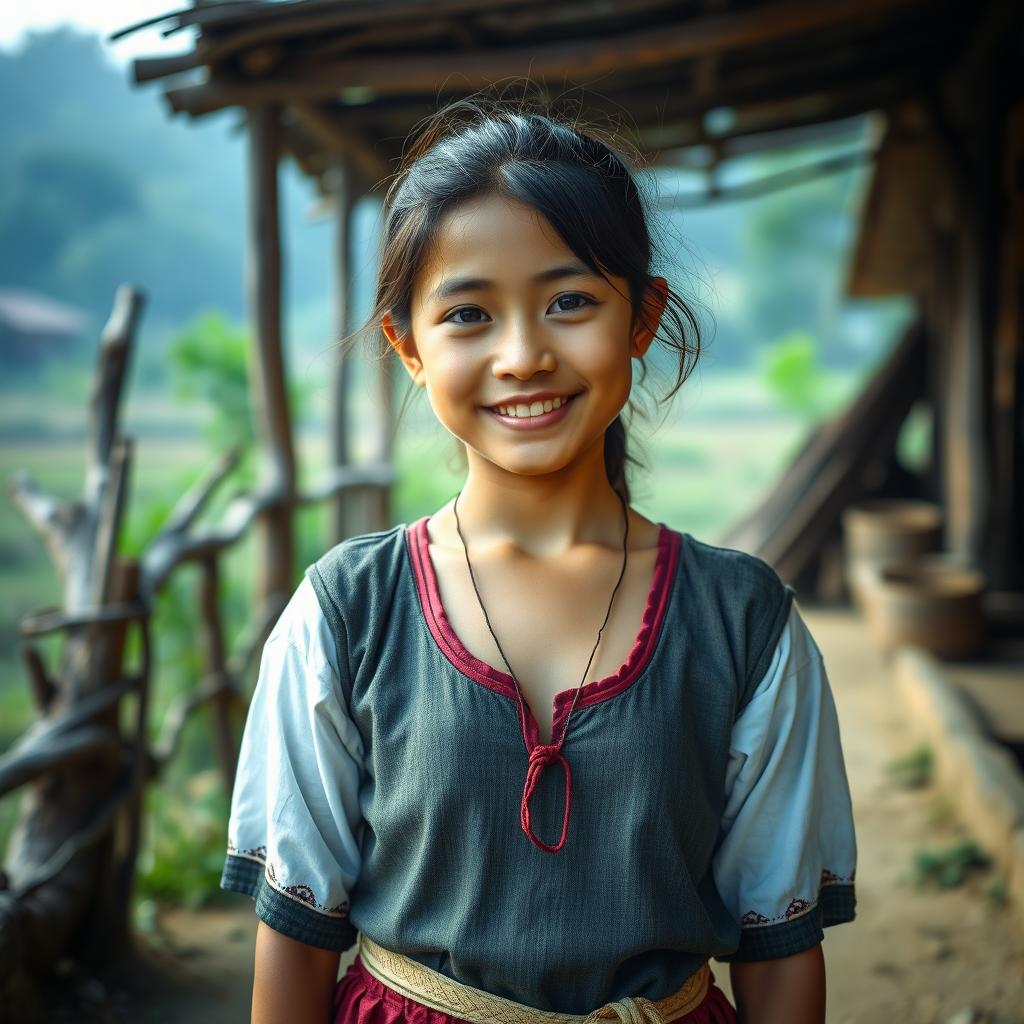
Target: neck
(543,515)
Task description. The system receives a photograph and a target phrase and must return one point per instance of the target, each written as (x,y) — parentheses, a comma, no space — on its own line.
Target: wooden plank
(345,141)
(267,365)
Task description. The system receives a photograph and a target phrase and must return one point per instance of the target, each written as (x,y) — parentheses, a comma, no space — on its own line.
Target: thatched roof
(353,76)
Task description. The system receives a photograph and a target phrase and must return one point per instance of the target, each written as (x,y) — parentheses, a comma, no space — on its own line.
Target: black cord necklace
(544,754)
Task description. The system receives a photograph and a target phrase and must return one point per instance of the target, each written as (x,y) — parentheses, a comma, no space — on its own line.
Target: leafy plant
(914,770)
(792,373)
(184,843)
(209,362)
(995,890)
(947,867)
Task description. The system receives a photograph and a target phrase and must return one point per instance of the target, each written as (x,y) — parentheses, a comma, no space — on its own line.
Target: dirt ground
(916,956)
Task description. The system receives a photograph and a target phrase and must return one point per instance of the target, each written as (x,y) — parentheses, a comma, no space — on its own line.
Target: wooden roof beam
(832,108)
(343,140)
(577,59)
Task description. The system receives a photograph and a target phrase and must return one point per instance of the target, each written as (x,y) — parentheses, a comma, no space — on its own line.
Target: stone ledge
(980,776)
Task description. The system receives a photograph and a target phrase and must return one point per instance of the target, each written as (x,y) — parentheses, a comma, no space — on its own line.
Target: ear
(404,345)
(653,305)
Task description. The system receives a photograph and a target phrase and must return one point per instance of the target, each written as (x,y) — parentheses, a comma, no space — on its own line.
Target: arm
(293,983)
(789,990)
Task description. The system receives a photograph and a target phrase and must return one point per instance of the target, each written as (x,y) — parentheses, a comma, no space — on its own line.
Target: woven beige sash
(427,986)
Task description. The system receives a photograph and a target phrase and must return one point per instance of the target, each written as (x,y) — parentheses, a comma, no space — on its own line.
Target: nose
(523,349)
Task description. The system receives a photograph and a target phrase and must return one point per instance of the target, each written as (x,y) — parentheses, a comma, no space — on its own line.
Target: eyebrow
(456,285)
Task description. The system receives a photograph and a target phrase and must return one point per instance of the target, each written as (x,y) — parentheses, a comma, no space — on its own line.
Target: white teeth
(534,409)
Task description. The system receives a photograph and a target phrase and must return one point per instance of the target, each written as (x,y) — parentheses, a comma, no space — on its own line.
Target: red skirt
(360,998)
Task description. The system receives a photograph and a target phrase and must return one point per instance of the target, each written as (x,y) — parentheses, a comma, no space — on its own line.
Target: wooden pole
(1008,371)
(341,453)
(275,544)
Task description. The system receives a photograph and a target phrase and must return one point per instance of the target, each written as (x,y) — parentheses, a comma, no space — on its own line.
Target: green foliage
(914,443)
(143,521)
(99,185)
(913,770)
(995,890)
(794,241)
(792,373)
(947,867)
(183,846)
(209,362)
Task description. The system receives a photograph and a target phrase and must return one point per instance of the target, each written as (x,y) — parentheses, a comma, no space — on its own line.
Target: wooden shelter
(338,86)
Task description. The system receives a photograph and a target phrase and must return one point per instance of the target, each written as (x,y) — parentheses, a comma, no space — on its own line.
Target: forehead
(490,236)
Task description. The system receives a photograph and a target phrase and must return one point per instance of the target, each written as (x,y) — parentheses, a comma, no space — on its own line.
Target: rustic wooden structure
(67,881)
(337,86)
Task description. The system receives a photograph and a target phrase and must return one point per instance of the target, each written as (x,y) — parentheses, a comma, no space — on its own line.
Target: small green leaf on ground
(913,770)
(947,866)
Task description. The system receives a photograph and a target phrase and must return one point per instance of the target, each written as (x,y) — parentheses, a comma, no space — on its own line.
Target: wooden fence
(66,885)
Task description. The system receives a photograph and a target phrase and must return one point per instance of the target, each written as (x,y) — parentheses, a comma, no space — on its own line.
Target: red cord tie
(540,757)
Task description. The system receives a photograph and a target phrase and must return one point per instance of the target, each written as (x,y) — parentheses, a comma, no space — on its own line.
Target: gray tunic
(666,855)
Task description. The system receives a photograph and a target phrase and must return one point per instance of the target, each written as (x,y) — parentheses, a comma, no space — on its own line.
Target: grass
(914,770)
(947,867)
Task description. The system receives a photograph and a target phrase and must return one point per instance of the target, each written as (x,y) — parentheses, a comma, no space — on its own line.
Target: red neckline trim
(593,692)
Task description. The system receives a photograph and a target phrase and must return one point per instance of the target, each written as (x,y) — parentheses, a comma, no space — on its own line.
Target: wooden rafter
(580,59)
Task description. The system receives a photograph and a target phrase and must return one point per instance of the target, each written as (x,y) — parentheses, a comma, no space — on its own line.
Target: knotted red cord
(540,757)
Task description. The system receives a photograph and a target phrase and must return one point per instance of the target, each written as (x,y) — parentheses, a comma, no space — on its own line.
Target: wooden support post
(275,543)
(1008,371)
(340,440)
(211,633)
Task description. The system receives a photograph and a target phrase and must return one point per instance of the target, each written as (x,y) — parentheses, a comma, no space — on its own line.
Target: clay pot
(933,602)
(885,532)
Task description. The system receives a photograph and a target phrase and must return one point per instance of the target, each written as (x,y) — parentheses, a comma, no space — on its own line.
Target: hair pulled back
(521,149)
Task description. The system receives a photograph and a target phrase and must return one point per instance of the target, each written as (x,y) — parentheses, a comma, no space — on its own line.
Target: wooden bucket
(885,532)
(934,602)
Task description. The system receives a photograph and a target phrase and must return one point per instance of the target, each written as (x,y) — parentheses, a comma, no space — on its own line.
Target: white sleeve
(295,826)
(786,856)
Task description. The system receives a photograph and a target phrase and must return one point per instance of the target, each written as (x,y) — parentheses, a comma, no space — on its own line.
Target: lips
(538,422)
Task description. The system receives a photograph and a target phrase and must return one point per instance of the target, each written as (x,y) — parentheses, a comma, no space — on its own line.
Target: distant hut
(35,328)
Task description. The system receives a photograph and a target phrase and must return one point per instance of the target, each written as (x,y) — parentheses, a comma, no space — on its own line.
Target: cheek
(452,377)
(604,355)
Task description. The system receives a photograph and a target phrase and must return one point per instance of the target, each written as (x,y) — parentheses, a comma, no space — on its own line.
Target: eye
(463,309)
(584,301)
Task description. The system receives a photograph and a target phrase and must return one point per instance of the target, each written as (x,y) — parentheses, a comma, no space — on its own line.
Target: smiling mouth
(531,411)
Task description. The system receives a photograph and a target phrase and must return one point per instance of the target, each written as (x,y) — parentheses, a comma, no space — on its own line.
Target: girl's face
(504,313)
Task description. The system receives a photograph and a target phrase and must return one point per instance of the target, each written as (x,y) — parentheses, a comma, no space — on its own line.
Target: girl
(541,757)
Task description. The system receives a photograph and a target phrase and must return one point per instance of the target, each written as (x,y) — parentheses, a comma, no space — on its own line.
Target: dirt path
(912,956)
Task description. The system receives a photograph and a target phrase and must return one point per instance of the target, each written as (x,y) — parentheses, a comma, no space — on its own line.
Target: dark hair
(522,150)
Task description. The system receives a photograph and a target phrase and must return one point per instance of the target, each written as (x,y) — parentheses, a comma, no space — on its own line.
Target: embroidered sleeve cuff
(836,904)
(283,913)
